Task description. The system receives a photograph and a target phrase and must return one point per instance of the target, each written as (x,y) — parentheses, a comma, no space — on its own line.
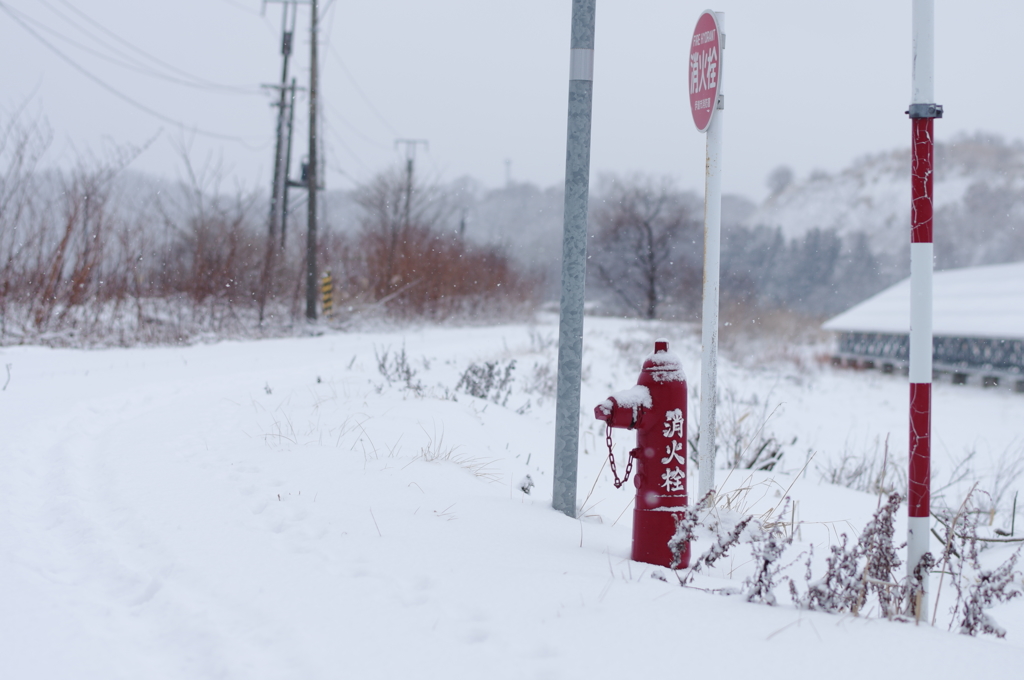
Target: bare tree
(22,145)
(396,225)
(646,243)
(417,263)
(213,254)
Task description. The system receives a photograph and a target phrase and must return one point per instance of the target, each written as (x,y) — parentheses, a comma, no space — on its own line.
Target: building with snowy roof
(978,326)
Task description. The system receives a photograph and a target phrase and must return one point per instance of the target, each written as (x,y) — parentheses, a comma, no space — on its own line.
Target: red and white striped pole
(923,112)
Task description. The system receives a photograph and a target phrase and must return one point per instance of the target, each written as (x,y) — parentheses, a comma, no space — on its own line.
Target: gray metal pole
(574,256)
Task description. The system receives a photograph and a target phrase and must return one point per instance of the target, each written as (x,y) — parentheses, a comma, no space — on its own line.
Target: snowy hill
(335,507)
(979,201)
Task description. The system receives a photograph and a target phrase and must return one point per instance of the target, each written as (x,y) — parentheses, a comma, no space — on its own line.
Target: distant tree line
(647,254)
(97,254)
(96,251)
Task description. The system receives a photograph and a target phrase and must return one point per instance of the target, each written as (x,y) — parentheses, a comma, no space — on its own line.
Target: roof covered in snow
(985,302)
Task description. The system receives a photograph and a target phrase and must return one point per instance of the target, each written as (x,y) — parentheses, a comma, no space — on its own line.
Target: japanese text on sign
(703,69)
(673,480)
(674,424)
(675,453)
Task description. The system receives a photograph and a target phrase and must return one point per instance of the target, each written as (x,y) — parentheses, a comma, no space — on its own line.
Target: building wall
(948,353)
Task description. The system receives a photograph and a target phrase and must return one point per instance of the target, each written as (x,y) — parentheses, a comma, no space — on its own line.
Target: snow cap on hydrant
(656,408)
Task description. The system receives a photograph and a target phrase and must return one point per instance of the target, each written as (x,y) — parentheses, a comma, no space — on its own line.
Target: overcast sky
(810,84)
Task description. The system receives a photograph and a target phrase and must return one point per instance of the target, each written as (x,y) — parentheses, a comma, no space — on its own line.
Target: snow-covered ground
(280,509)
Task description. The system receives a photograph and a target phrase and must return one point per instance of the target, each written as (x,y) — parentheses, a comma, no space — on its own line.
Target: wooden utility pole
(312,286)
(410,160)
(288,183)
(280,169)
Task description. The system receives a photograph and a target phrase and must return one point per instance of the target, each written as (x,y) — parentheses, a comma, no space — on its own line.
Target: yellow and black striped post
(327,292)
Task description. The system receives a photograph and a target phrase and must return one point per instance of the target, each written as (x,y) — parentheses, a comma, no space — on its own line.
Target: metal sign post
(574,256)
(707,104)
(923,112)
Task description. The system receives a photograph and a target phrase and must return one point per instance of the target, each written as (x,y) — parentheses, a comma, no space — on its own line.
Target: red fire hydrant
(656,408)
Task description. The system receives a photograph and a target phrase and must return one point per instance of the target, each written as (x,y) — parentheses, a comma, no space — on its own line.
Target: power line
(136,65)
(241,7)
(336,167)
(117,93)
(337,113)
(196,80)
(433,162)
(362,95)
(338,138)
(354,129)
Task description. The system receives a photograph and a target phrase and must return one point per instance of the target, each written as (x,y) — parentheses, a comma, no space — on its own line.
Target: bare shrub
(542,380)
(977,589)
(1005,478)
(64,269)
(767,553)
(873,471)
(725,536)
(405,259)
(22,145)
(993,586)
(214,257)
(436,275)
(396,369)
(741,440)
(862,575)
(853,574)
(881,561)
(687,519)
(490,380)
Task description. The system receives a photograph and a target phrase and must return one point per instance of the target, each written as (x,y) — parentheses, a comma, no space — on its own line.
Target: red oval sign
(705,69)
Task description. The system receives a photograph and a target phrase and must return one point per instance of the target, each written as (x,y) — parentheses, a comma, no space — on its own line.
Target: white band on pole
(923,69)
(921,312)
(581,64)
(918,529)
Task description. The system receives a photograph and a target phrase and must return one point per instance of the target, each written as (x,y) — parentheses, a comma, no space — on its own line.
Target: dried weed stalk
(854,574)
(767,553)
(992,587)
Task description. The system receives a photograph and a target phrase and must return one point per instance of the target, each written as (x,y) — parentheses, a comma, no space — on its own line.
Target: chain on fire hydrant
(656,408)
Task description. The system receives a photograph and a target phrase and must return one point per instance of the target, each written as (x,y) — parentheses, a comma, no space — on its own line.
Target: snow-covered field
(280,509)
